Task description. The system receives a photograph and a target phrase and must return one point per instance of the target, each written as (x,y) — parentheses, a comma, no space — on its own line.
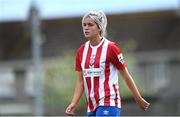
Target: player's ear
(99,30)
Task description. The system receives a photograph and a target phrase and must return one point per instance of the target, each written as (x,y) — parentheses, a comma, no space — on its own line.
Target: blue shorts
(106,111)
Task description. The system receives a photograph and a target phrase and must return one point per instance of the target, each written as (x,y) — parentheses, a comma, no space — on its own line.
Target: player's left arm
(116,57)
(133,88)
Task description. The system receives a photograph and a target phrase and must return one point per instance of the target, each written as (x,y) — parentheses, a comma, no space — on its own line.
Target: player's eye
(84,24)
(90,24)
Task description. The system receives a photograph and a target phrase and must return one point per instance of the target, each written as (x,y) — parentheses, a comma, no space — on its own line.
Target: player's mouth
(86,33)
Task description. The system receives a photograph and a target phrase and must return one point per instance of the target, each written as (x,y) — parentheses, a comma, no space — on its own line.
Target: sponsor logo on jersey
(93,72)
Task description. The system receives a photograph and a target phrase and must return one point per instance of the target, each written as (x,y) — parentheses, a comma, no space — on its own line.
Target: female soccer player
(98,62)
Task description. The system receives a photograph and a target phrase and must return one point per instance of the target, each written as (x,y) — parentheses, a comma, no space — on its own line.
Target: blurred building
(156,47)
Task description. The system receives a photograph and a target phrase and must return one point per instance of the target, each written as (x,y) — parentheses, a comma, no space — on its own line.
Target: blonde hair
(100,19)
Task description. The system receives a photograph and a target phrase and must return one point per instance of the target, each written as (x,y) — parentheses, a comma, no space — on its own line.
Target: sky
(11,10)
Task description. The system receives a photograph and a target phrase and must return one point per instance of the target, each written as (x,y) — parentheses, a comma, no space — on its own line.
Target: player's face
(90,28)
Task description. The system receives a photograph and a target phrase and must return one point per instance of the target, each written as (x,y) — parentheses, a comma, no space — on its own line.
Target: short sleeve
(116,56)
(79,58)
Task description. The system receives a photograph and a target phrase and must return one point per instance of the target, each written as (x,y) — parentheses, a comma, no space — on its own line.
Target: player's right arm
(79,88)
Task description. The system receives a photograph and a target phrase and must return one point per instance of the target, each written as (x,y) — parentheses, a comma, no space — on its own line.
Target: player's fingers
(69,111)
(146,106)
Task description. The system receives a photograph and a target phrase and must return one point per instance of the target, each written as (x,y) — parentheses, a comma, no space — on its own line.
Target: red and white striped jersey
(99,65)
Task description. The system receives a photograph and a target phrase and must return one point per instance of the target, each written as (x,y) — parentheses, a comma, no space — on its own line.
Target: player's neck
(95,41)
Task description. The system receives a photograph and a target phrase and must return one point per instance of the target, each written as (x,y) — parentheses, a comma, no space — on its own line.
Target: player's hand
(144,105)
(70,109)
